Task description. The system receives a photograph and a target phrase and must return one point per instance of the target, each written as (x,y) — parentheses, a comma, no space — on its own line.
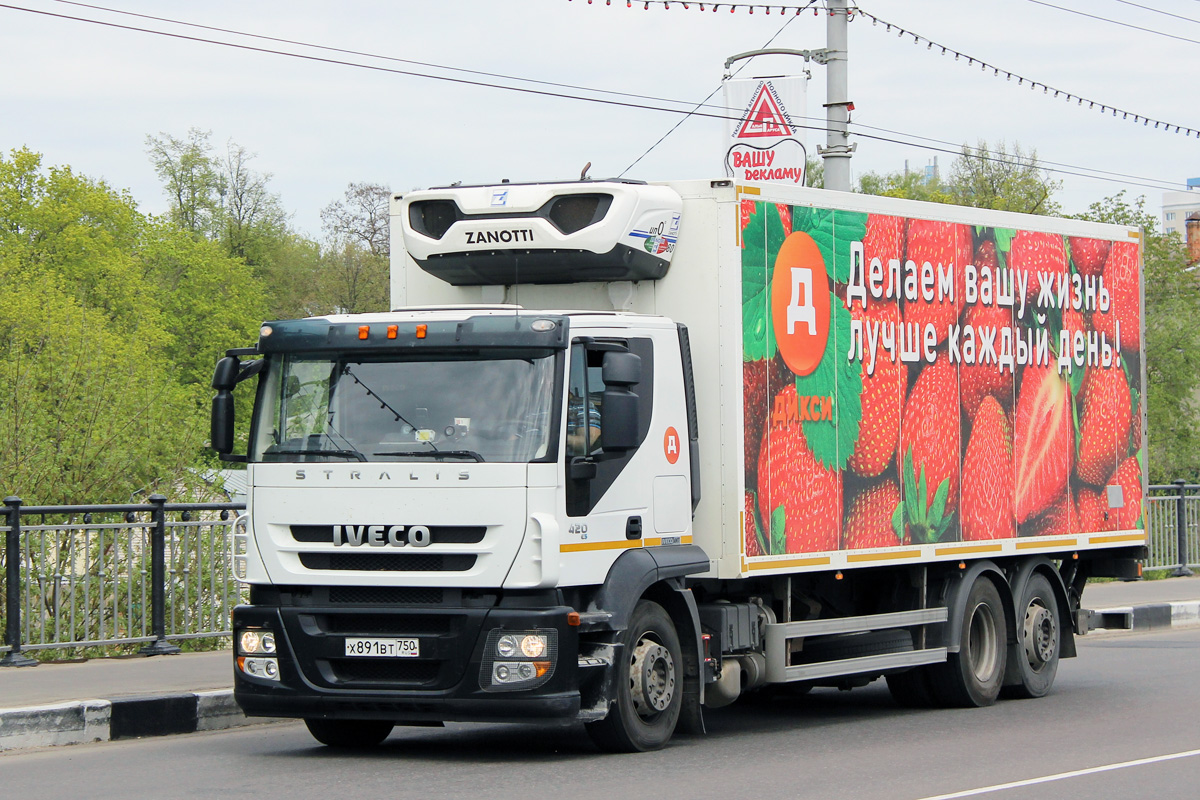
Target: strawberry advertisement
(911,381)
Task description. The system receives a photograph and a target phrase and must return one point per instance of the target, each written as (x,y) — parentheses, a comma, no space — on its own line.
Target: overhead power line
(1104,108)
(1077,171)
(1117,22)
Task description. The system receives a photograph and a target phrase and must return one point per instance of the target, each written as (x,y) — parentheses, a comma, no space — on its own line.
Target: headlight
(254,642)
(518,659)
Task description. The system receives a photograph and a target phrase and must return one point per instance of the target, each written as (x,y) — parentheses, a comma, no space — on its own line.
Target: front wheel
(1039,639)
(349,732)
(973,676)
(649,685)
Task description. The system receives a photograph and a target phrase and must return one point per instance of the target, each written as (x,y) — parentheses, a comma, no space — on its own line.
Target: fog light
(266,668)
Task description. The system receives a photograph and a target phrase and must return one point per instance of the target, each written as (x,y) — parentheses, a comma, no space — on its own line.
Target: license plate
(387,648)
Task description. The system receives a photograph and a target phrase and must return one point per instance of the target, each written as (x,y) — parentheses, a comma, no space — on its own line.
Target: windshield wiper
(352,454)
(433,454)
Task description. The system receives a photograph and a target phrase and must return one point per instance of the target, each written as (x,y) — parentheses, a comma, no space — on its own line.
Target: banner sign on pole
(762,141)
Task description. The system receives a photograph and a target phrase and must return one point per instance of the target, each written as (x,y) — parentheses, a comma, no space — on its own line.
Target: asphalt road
(1121,723)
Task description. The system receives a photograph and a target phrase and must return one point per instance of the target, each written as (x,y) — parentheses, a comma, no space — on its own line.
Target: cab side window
(585,392)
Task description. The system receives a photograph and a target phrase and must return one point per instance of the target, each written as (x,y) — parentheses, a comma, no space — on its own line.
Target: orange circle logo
(800,303)
(671,445)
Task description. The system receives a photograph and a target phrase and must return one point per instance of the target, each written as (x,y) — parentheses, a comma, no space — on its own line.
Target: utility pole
(838,150)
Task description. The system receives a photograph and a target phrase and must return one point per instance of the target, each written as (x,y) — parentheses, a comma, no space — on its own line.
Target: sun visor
(543,232)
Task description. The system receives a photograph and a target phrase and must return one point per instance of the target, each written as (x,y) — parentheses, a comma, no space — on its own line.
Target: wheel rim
(982,649)
(651,678)
(1041,635)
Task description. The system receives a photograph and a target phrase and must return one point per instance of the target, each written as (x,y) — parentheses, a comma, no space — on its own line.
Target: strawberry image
(1033,254)
(884,240)
(871,519)
(761,380)
(798,497)
(987,509)
(1120,278)
(1104,423)
(1060,519)
(882,396)
(1129,477)
(945,245)
(1094,513)
(754,413)
(980,380)
(985,255)
(1073,323)
(785,216)
(1089,255)
(753,545)
(929,436)
(1043,440)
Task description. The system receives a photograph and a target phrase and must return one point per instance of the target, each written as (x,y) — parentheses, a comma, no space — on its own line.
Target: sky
(87,95)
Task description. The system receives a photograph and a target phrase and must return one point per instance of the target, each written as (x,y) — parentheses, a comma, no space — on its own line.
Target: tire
(1039,639)
(349,732)
(973,676)
(649,685)
(911,688)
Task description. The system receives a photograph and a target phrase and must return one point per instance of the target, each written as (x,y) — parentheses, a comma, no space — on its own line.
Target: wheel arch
(959,585)
(657,574)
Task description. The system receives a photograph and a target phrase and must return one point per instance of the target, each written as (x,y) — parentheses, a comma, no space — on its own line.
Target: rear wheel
(1039,639)
(349,732)
(973,676)
(649,685)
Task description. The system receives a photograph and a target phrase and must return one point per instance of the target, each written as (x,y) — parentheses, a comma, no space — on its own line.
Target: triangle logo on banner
(765,118)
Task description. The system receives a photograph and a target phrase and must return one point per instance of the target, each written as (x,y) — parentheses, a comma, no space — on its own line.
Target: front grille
(385,595)
(383,670)
(411,624)
(389,562)
(438,534)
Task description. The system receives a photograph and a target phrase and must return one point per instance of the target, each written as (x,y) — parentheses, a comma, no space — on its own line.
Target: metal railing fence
(84,576)
(1173,527)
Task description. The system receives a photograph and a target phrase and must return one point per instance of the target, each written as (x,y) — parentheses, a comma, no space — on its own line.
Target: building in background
(1177,206)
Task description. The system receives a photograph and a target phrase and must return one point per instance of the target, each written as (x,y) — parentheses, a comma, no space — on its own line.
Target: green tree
(87,395)
(191,179)
(982,177)
(211,302)
(1003,180)
(1172,294)
(354,276)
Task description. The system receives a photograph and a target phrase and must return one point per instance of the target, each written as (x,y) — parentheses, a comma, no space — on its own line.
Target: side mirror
(221,431)
(225,377)
(619,414)
(621,368)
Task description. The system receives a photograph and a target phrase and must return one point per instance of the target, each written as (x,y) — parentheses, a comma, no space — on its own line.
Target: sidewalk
(116,698)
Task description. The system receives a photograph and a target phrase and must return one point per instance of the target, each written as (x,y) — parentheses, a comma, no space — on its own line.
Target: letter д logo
(671,445)
(800,303)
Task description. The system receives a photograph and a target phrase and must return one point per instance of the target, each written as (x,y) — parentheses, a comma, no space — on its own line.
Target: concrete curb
(84,721)
(1155,616)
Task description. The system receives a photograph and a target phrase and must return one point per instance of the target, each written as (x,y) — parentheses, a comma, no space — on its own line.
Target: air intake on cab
(542,233)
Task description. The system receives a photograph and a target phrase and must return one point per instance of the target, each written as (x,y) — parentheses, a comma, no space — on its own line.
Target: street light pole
(837,152)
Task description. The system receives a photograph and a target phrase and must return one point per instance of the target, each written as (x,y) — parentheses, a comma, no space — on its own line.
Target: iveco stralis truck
(621,452)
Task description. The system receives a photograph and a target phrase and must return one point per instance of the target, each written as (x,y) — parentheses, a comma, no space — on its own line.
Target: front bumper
(316,679)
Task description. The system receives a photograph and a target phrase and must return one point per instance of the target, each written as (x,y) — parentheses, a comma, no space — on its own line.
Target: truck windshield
(489,407)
